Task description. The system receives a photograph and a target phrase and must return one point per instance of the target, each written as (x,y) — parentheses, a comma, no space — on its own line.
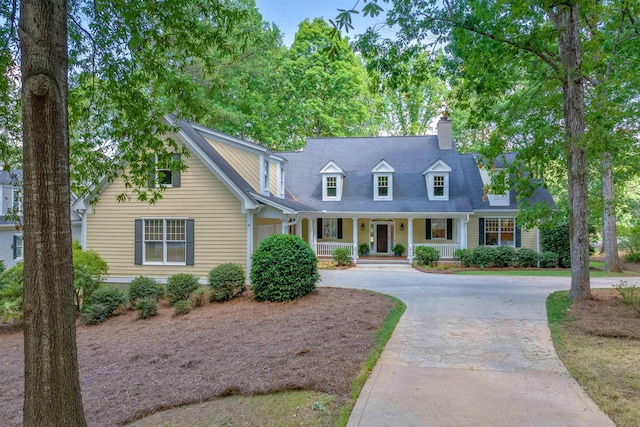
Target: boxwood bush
(146,307)
(180,286)
(144,287)
(181,308)
(111,297)
(225,281)
(464,257)
(527,258)
(342,256)
(95,314)
(284,268)
(483,256)
(426,255)
(548,259)
(503,256)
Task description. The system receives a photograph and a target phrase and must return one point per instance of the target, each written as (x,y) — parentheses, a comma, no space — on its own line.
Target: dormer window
(437,180)
(265,178)
(383,181)
(494,199)
(332,182)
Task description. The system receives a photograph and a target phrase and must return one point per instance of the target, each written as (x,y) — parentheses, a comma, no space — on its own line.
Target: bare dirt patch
(131,368)
(606,316)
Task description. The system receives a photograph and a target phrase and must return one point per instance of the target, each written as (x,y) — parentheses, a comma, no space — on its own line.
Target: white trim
(280,178)
(265,179)
(325,196)
(332,167)
(383,167)
(164,241)
(376,195)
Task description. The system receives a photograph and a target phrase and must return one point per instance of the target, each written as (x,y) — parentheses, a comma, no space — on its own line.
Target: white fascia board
(331,168)
(334,214)
(240,143)
(496,212)
(383,168)
(247,203)
(438,166)
(266,201)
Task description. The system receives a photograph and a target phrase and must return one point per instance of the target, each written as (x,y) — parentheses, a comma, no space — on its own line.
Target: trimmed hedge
(225,281)
(548,260)
(111,297)
(342,256)
(426,255)
(180,286)
(144,287)
(527,258)
(284,268)
(464,257)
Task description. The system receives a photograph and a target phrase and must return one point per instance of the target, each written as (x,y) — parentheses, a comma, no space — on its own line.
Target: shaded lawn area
(131,368)
(598,340)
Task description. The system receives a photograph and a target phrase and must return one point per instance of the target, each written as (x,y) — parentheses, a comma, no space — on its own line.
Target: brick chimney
(445,137)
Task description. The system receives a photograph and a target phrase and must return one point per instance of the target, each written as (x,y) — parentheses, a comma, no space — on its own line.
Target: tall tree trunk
(52,387)
(610,235)
(567,21)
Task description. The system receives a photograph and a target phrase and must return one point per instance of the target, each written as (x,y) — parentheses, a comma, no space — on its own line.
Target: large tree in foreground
(52,386)
(124,64)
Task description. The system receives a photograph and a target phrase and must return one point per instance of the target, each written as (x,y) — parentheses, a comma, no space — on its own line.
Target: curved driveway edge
(468,351)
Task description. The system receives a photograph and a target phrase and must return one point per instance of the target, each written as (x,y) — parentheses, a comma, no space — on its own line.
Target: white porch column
(410,239)
(299,228)
(312,231)
(463,233)
(285,227)
(355,240)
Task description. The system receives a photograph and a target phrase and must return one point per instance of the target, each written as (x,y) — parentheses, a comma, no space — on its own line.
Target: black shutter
(518,237)
(190,245)
(137,259)
(175,174)
(339,228)
(481,231)
(319,229)
(428,228)
(15,245)
(449,229)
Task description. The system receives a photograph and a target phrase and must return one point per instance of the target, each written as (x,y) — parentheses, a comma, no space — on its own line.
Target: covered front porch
(370,238)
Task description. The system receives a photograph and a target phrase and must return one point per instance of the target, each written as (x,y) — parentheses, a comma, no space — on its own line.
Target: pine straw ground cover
(131,368)
(599,342)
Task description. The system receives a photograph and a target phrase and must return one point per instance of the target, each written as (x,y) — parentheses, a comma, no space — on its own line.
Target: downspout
(250,232)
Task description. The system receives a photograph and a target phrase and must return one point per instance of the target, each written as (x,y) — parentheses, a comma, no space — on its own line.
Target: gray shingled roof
(409,156)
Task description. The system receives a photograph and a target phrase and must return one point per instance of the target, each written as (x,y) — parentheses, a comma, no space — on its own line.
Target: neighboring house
(337,192)
(11,226)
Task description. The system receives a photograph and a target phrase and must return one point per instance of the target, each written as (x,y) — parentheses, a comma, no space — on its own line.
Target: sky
(287,14)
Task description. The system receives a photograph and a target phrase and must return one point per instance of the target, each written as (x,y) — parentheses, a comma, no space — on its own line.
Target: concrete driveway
(469,351)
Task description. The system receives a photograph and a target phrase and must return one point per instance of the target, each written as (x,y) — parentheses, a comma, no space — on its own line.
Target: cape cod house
(337,192)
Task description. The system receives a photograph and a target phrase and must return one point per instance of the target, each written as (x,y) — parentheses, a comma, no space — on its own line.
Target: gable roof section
(438,166)
(409,155)
(331,167)
(383,167)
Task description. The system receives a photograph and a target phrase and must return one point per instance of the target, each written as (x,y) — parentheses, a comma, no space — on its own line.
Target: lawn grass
(607,368)
(287,409)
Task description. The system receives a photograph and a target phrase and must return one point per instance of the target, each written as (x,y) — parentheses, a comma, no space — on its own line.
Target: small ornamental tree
(284,268)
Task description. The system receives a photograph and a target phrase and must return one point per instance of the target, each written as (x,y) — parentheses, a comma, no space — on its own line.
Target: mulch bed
(605,315)
(130,368)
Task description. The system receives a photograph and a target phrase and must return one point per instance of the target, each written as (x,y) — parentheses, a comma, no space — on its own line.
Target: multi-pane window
(439,228)
(330,228)
(500,231)
(383,186)
(438,186)
(17,201)
(165,241)
(18,246)
(332,186)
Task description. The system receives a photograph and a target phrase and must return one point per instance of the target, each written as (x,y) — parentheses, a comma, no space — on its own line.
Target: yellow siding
(402,236)
(273,178)
(220,227)
(247,164)
(363,235)
(529,238)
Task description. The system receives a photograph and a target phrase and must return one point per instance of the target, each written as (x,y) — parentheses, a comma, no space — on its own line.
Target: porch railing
(326,249)
(445,250)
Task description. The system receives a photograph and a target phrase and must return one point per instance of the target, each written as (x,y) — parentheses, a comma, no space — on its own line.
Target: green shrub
(557,240)
(146,307)
(197,298)
(181,308)
(527,258)
(426,255)
(398,249)
(630,294)
(225,281)
(630,244)
(342,256)
(284,268)
(464,257)
(180,286)
(111,297)
(11,293)
(88,270)
(483,256)
(95,314)
(363,249)
(503,256)
(548,260)
(144,287)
